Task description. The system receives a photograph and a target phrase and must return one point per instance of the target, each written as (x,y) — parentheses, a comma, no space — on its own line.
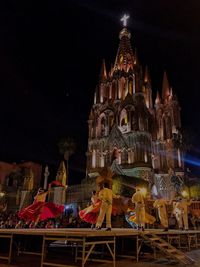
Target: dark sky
(50,58)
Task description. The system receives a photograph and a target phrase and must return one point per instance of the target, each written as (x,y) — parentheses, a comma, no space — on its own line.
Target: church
(129,131)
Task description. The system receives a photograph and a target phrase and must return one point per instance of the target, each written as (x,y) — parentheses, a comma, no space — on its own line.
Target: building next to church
(126,125)
(17,183)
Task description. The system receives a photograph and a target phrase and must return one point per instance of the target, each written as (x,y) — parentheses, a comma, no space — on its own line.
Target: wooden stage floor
(84,241)
(87,232)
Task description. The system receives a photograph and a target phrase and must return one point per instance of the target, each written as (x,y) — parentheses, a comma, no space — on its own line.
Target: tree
(66,148)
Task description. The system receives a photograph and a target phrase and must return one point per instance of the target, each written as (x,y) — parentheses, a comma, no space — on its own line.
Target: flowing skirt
(130,222)
(41,210)
(90,214)
(148,218)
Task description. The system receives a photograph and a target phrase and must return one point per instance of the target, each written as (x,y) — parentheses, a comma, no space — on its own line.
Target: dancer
(138,217)
(138,200)
(90,213)
(160,205)
(129,215)
(181,213)
(106,196)
(40,210)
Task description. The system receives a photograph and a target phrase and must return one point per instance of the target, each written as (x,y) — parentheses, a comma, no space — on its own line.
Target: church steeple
(125,58)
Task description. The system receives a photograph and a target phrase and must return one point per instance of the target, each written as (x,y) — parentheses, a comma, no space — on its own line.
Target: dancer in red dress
(40,210)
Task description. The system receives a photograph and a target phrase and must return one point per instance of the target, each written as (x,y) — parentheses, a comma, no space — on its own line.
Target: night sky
(50,58)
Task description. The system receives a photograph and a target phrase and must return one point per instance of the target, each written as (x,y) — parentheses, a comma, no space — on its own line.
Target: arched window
(10,180)
(101,93)
(94,158)
(103,126)
(115,154)
(134,84)
(130,86)
(134,120)
(110,91)
(168,127)
(129,156)
(102,160)
(141,122)
(124,121)
(124,156)
(179,158)
(110,121)
(121,88)
(129,61)
(91,132)
(164,127)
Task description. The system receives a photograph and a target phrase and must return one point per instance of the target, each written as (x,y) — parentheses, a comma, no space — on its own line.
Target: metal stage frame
(85,240)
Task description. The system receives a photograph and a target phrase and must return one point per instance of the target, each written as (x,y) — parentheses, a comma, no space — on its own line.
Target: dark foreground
(34,261)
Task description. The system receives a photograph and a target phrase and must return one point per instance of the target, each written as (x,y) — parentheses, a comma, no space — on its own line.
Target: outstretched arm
(115,196)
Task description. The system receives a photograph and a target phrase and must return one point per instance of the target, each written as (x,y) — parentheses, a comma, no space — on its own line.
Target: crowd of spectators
(10,220)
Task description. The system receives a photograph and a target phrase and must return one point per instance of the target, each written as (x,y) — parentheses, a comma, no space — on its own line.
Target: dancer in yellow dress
(140,217)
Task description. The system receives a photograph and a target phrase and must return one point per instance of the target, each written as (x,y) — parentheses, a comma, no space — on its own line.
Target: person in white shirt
(138,200)
(106,196)
(181,213)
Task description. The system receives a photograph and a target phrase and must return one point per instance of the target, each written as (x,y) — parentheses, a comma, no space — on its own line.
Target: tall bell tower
(126,131)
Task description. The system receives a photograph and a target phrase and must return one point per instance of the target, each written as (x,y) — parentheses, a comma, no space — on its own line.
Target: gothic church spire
(125,58)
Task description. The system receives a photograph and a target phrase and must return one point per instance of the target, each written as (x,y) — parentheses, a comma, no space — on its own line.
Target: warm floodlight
(2,194)
(184,193)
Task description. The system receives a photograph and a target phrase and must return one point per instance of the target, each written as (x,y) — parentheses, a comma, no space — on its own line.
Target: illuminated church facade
(127,126)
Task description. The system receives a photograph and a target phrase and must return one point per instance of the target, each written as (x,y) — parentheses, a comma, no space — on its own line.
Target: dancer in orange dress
(91,213)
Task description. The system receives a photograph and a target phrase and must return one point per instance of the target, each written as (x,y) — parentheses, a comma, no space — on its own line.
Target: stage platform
(83,241)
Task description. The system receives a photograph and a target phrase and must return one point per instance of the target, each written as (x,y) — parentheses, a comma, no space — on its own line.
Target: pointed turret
(158,100)
(136,57)
(103,73)
(165,87)
(125,58)
(148,91)
(62,174)
(171,93)
(147,76)
(110,74)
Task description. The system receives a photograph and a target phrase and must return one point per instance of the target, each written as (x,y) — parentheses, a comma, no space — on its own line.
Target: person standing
(181,213)
(90,213)
(106,196)
(138,200)
(160,205)
(40,210)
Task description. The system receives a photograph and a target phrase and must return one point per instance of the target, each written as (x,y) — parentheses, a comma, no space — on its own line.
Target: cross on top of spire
(124,19)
